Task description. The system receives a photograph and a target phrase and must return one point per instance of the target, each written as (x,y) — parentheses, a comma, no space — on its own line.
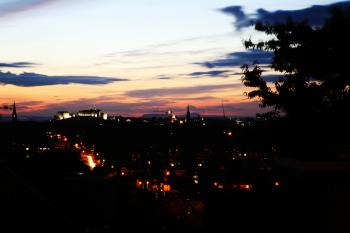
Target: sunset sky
(131,57)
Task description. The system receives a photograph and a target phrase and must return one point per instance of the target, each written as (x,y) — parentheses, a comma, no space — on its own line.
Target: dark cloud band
(314,15)
(240,58)
(179,91)
(212,73)
(18,64)
(33,79)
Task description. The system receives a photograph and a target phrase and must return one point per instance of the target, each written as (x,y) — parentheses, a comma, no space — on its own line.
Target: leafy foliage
(314,67)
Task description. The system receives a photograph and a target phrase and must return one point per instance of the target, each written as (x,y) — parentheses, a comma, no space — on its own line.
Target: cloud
(106,104)
(33,79)
(22,106)
(240,58)
(138,108)
(163,77)
(163,48)
(242,20)
(18,65)
(176,91)
(212,73)
(201,98)
(14,6)
(315,15)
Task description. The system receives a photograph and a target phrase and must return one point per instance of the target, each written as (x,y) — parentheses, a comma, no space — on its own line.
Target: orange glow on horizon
(48,100)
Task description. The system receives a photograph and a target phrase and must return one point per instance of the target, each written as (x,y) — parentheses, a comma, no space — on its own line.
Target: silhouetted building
(188,114)
(155,116)
(14,113)
(169,115)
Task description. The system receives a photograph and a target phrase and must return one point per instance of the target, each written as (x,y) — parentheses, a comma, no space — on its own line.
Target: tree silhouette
(313,65)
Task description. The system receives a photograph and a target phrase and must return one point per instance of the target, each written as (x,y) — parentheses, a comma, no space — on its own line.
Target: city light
(166,188)
(246,187)
(93,159)
(277,184)
(91,162)
(139,184)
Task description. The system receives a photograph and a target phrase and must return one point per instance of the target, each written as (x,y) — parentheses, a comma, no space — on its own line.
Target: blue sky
(148,44)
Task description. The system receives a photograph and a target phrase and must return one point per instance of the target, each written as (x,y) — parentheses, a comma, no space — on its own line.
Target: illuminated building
(91,113)
(171,115)
(63,115)
(95,113)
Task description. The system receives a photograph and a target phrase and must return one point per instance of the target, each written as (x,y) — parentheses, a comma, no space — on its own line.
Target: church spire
(223,109)
(188,115)
(14,112)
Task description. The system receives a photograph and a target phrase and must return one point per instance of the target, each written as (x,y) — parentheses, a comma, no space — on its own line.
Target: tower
(14,113)
(223,109)
(188,114)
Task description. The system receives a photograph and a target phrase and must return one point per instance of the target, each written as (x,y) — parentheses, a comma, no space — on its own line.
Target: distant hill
(7,118)
(164,116)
